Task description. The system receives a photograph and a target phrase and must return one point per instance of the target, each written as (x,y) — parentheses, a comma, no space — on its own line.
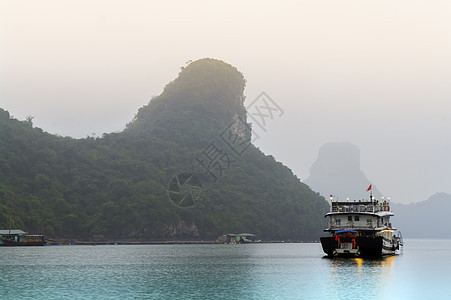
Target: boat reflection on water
(383,262)
(370,276)
(361,265)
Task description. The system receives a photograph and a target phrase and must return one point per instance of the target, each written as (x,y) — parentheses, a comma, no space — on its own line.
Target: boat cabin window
(356,218)
(337,221)
(349,218)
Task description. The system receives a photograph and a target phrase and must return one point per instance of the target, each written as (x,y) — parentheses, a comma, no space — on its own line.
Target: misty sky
(373,73)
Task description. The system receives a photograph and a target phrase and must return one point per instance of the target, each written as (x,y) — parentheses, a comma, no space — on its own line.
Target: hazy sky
(373,73)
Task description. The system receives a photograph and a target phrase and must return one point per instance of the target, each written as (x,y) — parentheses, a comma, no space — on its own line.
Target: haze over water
(253,271)
(375,74)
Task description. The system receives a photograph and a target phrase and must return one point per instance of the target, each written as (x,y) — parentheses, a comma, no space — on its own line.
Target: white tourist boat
(361,228)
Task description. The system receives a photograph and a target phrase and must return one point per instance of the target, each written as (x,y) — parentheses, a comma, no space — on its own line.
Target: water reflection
(260,271)
(127,272)
(352,275)
(359,262)
(384,263)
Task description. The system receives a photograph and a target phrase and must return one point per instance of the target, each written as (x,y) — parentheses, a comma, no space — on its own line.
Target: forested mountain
(129,185)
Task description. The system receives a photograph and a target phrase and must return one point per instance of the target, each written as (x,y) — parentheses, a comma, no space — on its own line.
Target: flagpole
(370,188)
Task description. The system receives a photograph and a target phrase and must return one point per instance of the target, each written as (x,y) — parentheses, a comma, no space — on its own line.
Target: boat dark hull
(365,247)
(12,243)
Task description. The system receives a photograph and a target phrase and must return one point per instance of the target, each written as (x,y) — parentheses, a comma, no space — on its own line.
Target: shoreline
(103,243)
(85,243)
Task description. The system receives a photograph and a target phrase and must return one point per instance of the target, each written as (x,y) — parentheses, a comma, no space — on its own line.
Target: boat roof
(345,231)
(379,213)
(384,213)
(12,231)
(245,234)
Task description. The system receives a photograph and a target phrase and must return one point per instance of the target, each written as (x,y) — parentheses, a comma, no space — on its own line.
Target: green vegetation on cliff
(116,186)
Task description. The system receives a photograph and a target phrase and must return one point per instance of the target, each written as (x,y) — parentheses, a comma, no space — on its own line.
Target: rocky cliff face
(337,172)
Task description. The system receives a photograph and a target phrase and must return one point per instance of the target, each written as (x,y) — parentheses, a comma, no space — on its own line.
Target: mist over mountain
(425,219)
(337,172)
(184,168)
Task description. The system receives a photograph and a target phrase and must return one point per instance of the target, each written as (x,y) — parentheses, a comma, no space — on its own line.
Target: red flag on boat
(369,188)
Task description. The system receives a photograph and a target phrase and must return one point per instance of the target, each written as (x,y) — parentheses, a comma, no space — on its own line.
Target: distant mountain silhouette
(425,219)
(337,172)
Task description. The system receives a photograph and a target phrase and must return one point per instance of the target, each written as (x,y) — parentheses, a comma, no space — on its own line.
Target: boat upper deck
(360,207)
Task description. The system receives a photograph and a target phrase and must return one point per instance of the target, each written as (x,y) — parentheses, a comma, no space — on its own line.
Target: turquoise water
(256,271)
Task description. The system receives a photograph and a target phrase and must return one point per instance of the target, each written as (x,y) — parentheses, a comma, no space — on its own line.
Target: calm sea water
(258,271)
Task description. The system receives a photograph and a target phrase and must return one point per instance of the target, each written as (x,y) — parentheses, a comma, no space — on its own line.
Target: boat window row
(337,222)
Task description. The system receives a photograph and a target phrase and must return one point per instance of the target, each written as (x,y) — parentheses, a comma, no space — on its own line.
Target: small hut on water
(240,238)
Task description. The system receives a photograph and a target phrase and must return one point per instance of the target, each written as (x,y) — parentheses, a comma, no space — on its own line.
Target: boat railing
(351,226)
(357,207)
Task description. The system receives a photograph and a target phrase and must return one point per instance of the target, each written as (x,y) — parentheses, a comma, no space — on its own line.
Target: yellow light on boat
(387,230)
(347,199)
(382,197)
